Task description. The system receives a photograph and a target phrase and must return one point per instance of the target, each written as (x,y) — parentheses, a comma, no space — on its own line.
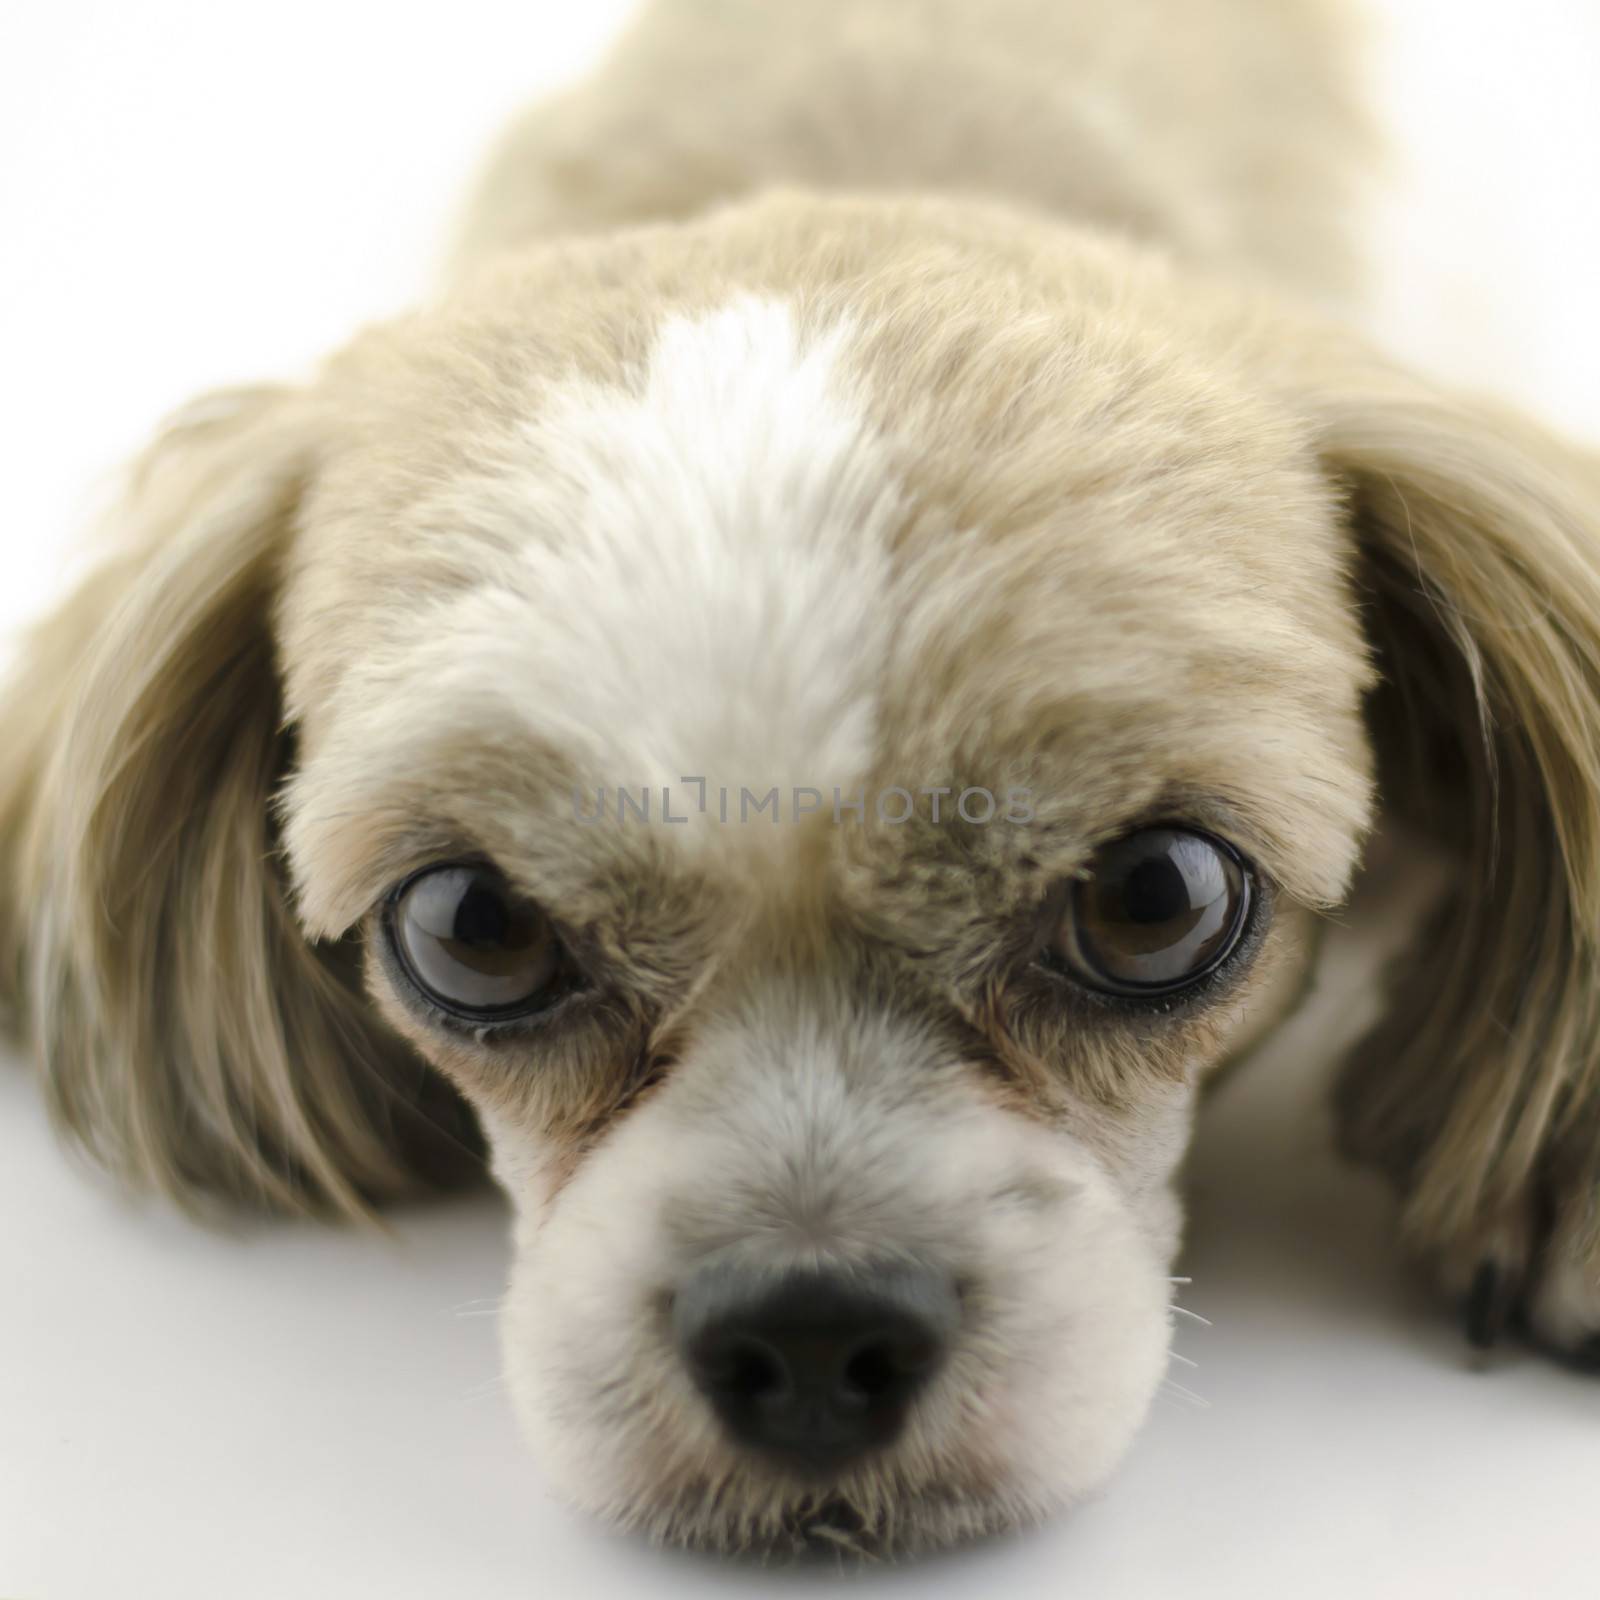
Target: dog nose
(815,1367)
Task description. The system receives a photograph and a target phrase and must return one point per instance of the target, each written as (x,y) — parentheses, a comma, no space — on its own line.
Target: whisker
(1172,1355)
(1193,1316)
(486,1307)
(1198,1400)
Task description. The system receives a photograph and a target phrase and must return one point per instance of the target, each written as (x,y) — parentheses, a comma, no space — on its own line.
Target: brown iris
(472,944)
(1160,908)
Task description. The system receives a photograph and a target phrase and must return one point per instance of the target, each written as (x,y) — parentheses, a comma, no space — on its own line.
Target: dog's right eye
(473,945)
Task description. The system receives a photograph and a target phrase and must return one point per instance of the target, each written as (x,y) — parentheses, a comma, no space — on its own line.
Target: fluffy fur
(930,399)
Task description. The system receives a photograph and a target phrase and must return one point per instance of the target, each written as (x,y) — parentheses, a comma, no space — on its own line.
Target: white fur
(706,550)
(802,1129)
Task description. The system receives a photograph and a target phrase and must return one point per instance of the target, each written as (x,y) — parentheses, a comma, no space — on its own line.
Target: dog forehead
(796,545)
(706,569)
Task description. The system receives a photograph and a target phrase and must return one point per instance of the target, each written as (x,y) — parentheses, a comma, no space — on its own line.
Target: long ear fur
(1479,1090)
(187,1034)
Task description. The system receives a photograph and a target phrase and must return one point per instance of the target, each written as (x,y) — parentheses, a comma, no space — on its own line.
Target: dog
(806,704)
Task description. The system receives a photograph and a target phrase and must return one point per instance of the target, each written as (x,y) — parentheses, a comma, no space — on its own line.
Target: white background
(196,194)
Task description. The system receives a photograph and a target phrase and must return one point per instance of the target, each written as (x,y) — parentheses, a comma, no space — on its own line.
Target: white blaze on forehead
(681,574)
(704,588)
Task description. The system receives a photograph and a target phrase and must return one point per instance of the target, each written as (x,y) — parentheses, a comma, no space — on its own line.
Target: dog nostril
(872,1370)
(744,1368)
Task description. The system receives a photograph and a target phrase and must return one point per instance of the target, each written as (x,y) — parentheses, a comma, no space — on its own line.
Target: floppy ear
(187,1033)
(1479,1090)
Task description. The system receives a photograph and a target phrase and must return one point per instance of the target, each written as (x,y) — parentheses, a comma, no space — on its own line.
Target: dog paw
(1562,1307)
(1535,1269)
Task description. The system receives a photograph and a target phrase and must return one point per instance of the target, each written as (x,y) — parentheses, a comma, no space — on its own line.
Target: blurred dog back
(1228,130)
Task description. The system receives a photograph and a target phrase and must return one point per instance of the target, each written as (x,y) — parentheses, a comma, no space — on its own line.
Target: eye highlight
(1160,909)
(474,946)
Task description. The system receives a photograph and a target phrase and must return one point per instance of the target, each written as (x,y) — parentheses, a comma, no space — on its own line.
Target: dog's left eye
(473,945)
(1160,909)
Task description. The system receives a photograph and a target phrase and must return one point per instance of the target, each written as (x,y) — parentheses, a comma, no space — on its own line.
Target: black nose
(814,1367)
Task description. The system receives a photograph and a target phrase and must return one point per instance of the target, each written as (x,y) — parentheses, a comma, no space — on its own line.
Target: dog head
(823,725)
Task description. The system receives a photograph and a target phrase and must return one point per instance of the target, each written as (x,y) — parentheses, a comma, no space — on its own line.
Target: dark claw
(1484,1313)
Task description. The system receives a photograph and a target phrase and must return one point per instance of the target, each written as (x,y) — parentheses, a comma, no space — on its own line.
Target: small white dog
(821,690)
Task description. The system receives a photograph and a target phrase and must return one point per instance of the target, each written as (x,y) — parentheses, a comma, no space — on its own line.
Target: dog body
(1230,132)
(873,461)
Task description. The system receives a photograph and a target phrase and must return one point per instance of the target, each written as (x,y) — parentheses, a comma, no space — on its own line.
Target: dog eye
(1160,909)
(472,944)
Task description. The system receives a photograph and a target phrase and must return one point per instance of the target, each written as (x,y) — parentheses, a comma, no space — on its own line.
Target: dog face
(823,725)
(978,605)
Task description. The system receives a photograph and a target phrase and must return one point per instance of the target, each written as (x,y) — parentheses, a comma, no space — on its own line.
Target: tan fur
(1480,1092)
(1228,130)
(183,1025)
(858,489)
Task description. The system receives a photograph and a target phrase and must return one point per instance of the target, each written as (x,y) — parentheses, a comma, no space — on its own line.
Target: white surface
(196,194)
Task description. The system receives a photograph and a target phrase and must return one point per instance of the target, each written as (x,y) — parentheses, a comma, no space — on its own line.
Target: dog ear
(187,1033)
(1479,541)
